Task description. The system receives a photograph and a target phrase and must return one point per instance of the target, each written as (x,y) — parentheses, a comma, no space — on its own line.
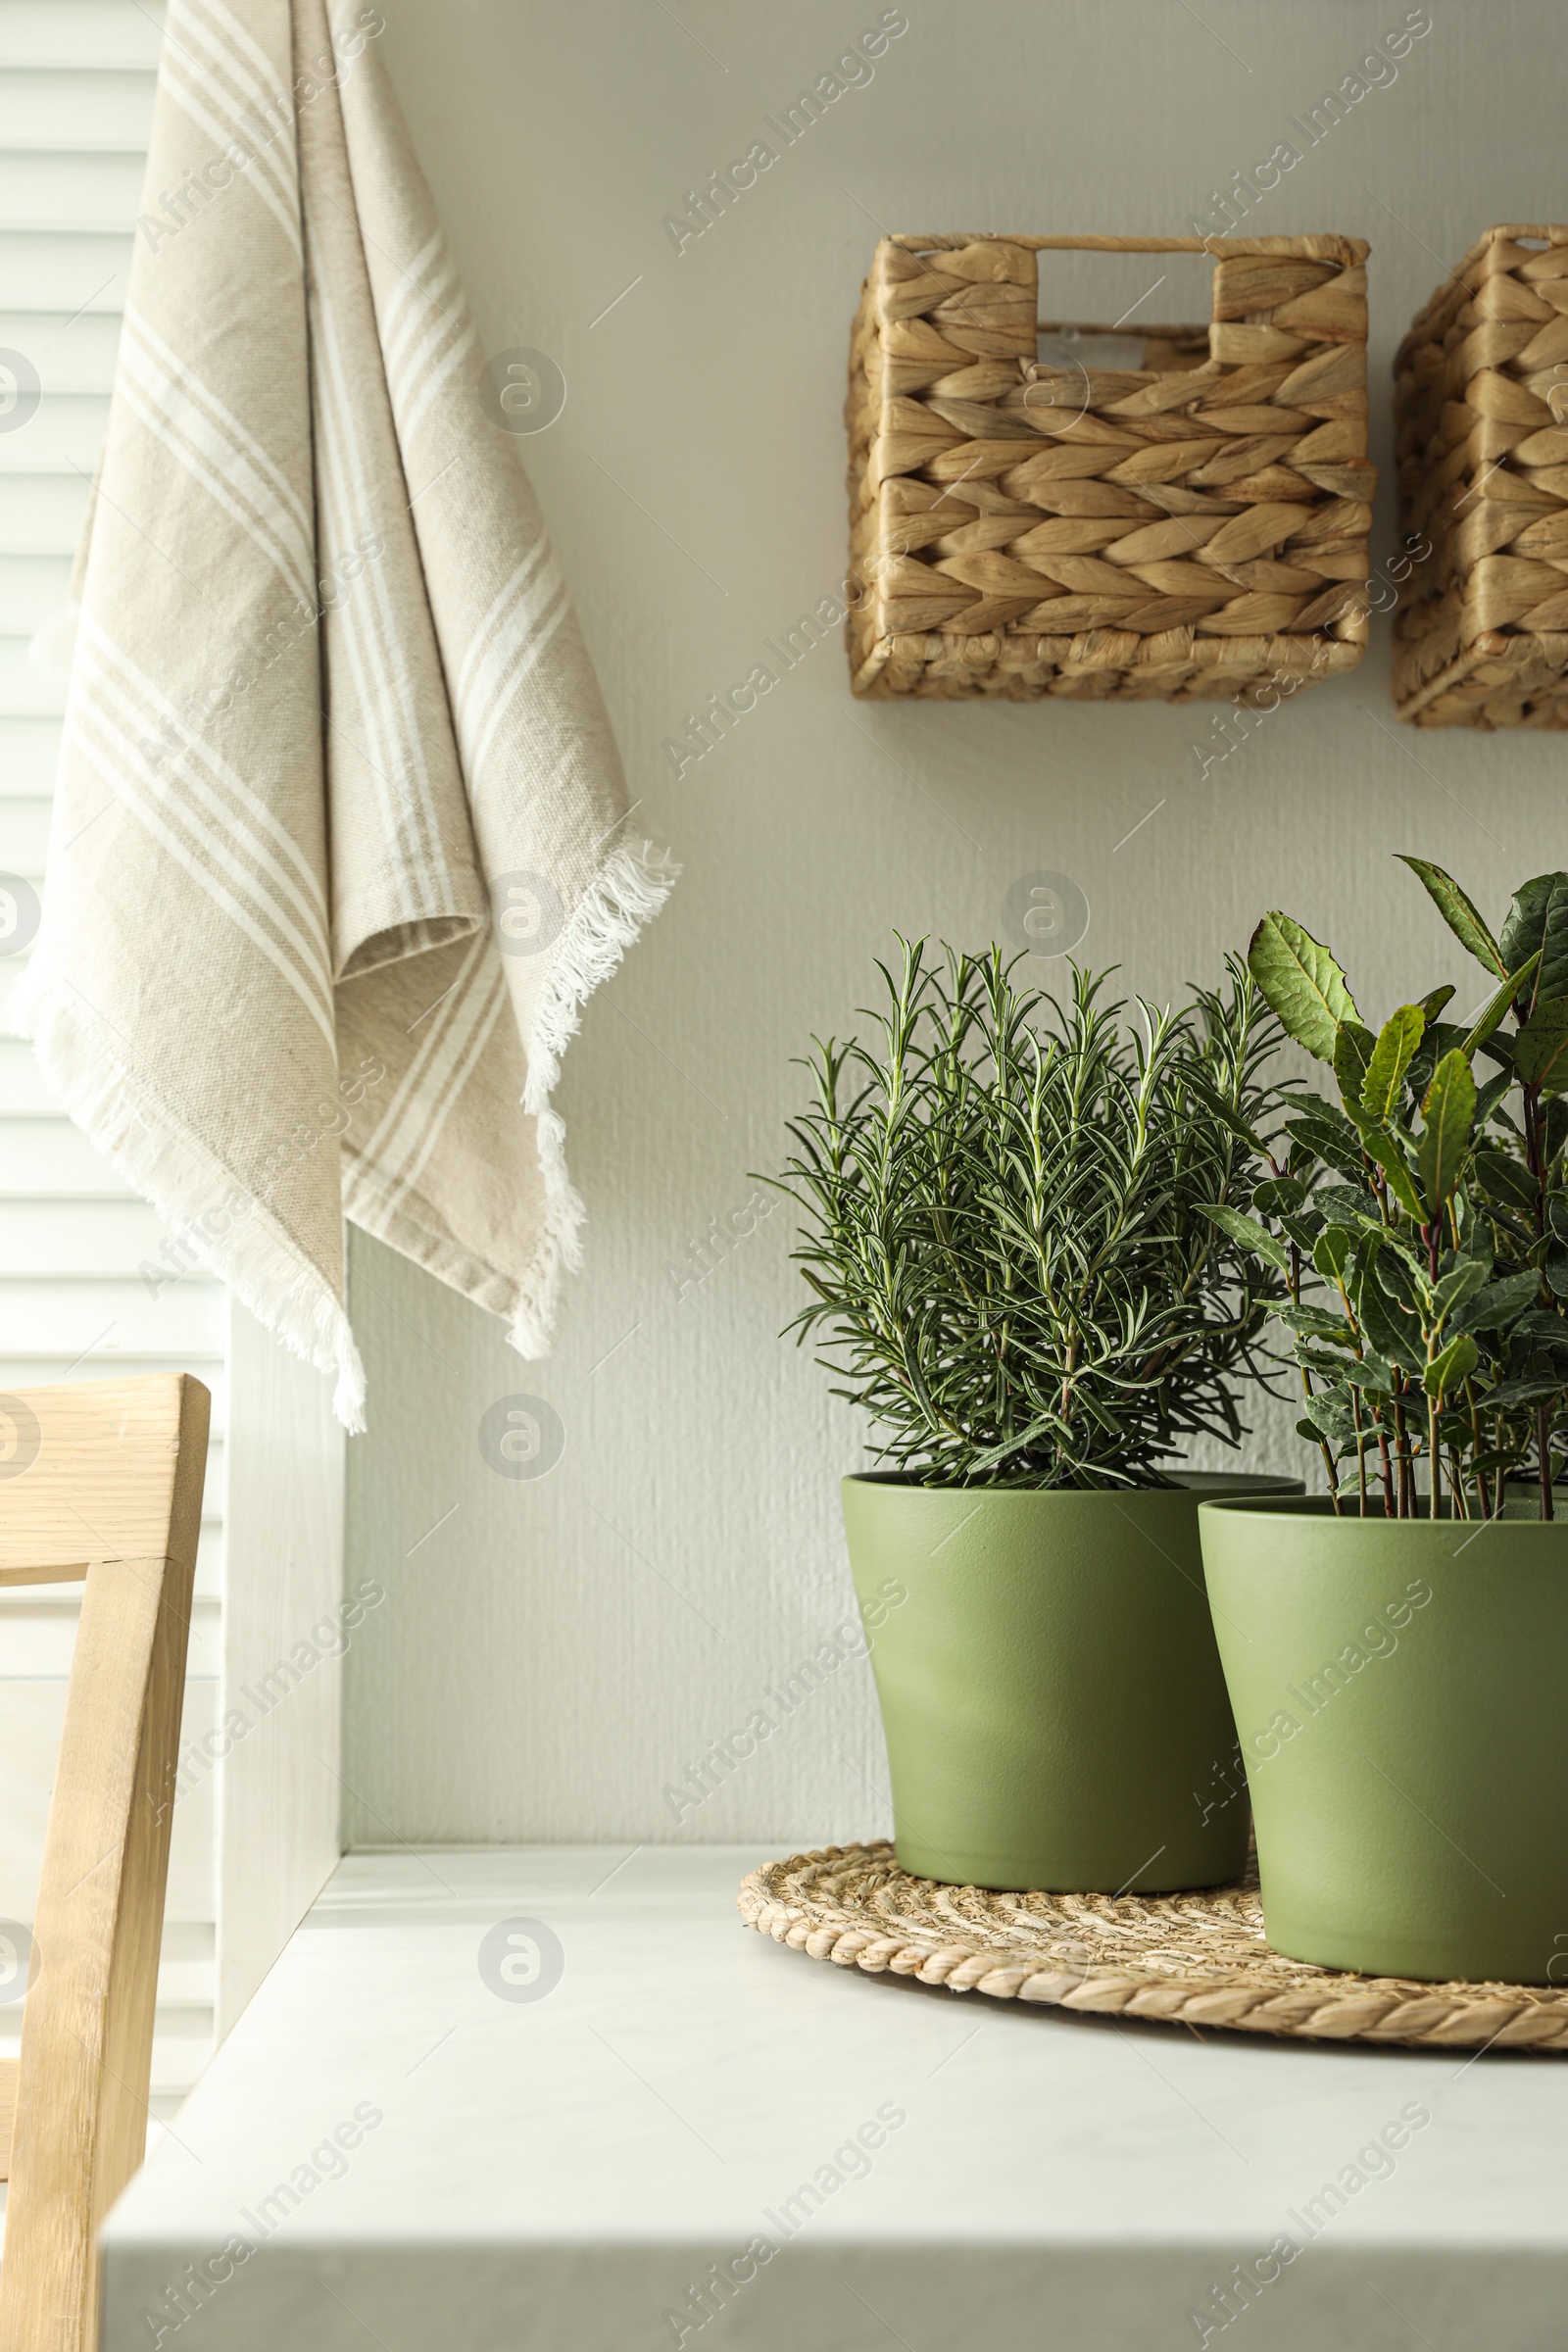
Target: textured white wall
(552,1654)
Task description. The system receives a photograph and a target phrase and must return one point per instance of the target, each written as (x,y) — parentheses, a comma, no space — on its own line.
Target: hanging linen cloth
(338,845)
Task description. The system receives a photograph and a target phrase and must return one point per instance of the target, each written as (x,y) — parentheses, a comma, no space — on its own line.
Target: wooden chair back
(98,1484)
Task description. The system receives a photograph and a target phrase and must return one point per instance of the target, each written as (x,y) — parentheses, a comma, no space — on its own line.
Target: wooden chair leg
(87,2029)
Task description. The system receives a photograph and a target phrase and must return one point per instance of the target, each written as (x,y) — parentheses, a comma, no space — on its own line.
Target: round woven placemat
(1181,1959)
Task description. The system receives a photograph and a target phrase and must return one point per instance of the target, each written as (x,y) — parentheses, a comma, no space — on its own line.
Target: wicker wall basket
(1194,526)
(1481,413)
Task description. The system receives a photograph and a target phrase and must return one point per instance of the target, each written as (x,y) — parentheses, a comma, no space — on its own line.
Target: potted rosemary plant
(1012,1273)
(1396,1651)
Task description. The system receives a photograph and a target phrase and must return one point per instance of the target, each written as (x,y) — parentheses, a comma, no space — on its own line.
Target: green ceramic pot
(1052,1696)
(1398,1688)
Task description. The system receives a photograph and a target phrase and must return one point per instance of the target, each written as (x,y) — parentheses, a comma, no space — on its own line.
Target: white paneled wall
(553,1652)
(76,101)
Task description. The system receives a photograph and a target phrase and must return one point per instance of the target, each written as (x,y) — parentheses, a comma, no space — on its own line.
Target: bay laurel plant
(1420,1222)
(1006,1233)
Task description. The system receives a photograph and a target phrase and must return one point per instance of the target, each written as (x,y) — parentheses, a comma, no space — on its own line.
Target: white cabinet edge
(279,1722)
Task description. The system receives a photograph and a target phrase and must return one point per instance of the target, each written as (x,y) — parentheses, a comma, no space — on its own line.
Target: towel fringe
(626,893)
(185,1181)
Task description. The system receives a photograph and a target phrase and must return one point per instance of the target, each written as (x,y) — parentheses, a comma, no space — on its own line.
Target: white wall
(555,1651)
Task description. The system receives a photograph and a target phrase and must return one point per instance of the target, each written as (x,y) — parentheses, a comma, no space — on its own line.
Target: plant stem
(1293,1283)
(1403,1459)
(1482,1494)
(1536,1161)
(1389,1509)
(1432,1236)
(1543,1448)
(1455,1465)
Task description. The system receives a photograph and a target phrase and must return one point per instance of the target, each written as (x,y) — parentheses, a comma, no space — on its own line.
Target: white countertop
(556,2174)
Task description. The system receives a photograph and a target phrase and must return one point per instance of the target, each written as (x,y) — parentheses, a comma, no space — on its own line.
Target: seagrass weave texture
(1194,526)
(1180,1959)
(1481,423)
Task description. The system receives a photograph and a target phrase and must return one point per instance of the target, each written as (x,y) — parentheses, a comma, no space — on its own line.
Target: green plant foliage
(1459,915)
(1541,1047)
(1304,985)
(1391,1057)
(1444,1151)
(1537,924)
(1008,1229)
(1501,1004)
(1427,1256)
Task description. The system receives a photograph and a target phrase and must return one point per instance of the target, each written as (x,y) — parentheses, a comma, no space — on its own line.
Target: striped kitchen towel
(339,844)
